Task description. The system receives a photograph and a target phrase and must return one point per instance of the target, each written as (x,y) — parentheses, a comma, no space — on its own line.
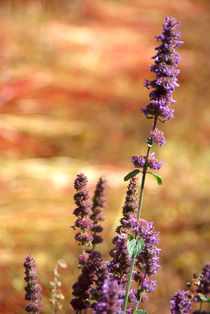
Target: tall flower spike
(82,288)
(165,82)
(119,266)
(83,211)
(33,288)
(99,204)
(109,302)
(147,262)
(129,208)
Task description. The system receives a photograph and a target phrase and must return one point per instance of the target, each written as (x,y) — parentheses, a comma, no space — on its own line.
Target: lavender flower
(109,302)
(147,262)
(119,266)
(165,82)
(158,137)
(99,204)
(153,163)
(33,288)
(83,211)
(129,208)
(180,303)
(101,275)
(82,288)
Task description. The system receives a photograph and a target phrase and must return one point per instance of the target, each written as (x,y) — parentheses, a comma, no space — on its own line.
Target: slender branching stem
(138,217)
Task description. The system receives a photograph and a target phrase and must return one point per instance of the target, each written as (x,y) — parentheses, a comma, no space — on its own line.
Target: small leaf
(203,298)
(157,177)
(131,174)
(79,267)
(138,295)
(140,312)
(135,246)
(163,121)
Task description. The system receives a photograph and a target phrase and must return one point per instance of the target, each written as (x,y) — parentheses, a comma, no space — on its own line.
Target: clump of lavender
(109,302)
(99,204)
(83,211)
(180,303)
(33,288)
(56,293)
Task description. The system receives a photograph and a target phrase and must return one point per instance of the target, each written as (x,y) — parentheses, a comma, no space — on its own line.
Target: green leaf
(203,298)
(135,246)
(162,121)
(138,296)
(140,312)
(131,174)
(157,177)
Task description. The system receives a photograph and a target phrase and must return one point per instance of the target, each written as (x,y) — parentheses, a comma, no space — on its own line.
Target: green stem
(138,217)
(128,285)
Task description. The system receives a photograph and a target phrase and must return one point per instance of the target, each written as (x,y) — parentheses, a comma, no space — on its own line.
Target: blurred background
(71,85)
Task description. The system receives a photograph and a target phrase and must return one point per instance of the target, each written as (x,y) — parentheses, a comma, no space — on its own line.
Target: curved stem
(138,217)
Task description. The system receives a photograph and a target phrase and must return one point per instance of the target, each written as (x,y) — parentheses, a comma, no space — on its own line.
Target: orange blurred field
(71,85)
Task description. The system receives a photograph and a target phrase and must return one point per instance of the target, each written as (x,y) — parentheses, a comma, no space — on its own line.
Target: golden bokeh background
(71,85)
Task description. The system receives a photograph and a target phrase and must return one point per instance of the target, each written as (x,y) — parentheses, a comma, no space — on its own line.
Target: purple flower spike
(109,302)
(158,137)
(180,303)
(129,208)
(83,211)
(165,62)
(33,288)
(99,204)
(147,262)
(120,265)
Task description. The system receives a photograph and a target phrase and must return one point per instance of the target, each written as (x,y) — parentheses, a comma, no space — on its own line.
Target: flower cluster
(180,302)
(109,302)
(157,137)
(153,163)
(83,211)
(147,262)
(33,288)
(119,266)
(82,288)
(99,204)
(165,82)
(129,208)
